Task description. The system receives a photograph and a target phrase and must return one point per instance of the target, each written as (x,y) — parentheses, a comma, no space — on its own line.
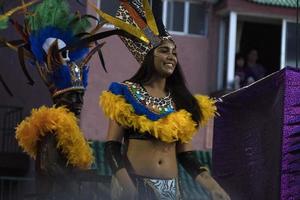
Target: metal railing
(19,188)
(9,118)
(15,188)
(91,185)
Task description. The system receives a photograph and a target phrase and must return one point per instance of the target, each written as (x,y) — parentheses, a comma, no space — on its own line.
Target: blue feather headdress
(54,39)
(52,26)
(38,38)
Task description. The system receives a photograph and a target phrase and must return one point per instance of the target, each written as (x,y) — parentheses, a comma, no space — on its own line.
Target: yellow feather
(63,124)
(150,17)
(208,108)
(177,126)
(121,24)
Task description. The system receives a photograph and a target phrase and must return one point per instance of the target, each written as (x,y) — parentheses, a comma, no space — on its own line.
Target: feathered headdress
(138,20)
(49,28)
(52,27)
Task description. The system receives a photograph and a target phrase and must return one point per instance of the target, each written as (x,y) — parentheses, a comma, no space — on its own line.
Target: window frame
(107,25)
(186,19)
(165,15)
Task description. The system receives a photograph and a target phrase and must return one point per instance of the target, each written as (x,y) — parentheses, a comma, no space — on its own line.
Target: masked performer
(154,113)
(52,135)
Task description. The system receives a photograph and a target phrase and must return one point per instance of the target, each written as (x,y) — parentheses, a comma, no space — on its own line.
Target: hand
(129,191)
(126,195)
(212,187)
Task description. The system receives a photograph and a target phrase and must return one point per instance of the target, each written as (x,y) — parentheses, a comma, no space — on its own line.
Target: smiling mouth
(169,65)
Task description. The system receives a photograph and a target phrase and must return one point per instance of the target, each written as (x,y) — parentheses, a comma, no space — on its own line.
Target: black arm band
(190,163)
(113,155)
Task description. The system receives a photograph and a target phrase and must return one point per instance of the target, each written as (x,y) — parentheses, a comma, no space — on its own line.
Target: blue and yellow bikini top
(139,113)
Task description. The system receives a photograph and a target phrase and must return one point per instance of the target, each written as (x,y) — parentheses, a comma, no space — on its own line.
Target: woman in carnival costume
(51,135)
(154,113)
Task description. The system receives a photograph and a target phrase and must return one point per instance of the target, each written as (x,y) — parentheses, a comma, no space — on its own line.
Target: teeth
(170,65)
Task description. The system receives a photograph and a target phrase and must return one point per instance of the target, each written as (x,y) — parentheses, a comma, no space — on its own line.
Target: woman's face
(252,56)
(240,62)
(165,58)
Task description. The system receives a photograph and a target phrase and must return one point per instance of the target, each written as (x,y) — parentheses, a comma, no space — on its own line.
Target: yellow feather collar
(207,107)
(177,126)
(61,122)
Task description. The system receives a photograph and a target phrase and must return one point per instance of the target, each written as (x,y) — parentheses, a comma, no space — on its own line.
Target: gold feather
(12,11)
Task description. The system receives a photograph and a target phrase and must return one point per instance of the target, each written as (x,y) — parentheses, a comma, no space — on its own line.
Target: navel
(160,162)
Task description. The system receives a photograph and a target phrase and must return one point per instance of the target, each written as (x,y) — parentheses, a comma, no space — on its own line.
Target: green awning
(279,3)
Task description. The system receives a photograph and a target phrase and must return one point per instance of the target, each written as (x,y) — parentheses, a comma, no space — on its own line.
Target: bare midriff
(152,158)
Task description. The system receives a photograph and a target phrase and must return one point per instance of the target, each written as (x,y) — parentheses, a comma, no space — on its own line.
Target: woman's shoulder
(127,92)
(121,87)
(135,95)
(116,87)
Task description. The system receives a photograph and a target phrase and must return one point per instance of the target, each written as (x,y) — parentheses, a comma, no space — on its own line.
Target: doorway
(266,39)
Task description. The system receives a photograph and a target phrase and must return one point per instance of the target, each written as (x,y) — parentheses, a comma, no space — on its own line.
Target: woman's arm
(115,158)
(187,158)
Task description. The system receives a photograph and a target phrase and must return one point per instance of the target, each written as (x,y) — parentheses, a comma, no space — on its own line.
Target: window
(108,6)
(197,19)
(175,16)
(185,17)
(182,17)
(291,45)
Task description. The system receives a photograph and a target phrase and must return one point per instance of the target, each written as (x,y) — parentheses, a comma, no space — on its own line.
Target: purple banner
(256,147)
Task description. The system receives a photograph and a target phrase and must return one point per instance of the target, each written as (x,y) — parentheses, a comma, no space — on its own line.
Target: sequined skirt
(149,188)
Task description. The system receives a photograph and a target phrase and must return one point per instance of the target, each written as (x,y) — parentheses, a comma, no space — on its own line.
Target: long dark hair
(175,83)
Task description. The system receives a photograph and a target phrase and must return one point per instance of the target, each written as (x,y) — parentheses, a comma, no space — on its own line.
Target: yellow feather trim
(177,126)
(61,122)
(207,107)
